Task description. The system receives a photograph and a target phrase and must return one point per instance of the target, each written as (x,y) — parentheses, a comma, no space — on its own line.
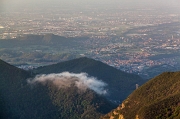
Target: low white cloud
(82,81)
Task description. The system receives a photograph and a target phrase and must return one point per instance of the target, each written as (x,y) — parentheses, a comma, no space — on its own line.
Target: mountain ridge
(119,82)
(158,98)
(19,99)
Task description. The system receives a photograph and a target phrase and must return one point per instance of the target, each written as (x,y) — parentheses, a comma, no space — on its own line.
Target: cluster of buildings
(76,23)
(134,54)
(123,38)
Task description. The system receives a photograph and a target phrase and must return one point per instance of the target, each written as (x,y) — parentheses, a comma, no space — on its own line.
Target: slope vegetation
(18,100)
(73,104)
(120,84)
(21,100)
(157,99)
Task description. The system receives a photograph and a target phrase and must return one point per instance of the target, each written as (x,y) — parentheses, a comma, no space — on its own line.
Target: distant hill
(159,98)
(120,84)
(21,100)
(45,40)
(41,49)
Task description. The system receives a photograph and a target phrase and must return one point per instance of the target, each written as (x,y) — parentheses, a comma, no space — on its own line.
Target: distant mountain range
(75,96)
(159,98)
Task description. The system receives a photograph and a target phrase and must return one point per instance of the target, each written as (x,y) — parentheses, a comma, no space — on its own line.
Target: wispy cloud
(82,81)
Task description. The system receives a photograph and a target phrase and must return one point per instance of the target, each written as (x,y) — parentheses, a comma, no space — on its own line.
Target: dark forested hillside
(120,84)
(18,99)
(157,99)
(22,100)
(73,104)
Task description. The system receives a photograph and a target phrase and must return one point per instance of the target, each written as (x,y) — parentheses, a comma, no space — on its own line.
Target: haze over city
(131,35)
(17,4)
(89,59)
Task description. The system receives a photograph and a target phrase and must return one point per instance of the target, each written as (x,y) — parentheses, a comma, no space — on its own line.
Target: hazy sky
(16,4)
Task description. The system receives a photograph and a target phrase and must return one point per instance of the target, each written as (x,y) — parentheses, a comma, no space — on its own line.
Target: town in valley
(136,40)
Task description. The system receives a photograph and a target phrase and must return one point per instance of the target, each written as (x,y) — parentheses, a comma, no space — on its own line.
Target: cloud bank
(62,80)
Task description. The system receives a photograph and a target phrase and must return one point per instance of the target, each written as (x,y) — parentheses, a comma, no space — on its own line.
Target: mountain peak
(118,81)
(21,99)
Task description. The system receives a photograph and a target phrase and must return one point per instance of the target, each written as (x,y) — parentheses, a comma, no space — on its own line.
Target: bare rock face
(121,116)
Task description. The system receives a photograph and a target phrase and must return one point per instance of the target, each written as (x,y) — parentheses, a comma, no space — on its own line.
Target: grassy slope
(159,98)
